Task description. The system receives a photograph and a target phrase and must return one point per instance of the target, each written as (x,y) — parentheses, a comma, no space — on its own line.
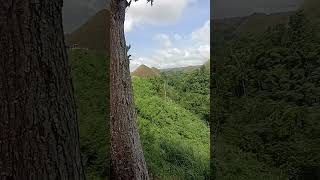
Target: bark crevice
(127,160)
(39,136)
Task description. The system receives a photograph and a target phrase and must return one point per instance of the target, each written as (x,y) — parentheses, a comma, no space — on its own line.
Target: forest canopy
(266,99)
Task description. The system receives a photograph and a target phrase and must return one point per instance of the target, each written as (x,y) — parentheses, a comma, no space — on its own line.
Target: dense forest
(265,110)
(173,123)
(173,114)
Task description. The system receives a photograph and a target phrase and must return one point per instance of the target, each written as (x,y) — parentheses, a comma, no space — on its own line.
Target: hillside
(175,139)
(146,72)
(182,69)
(264,103)
(258,22)
(312,8)
(92,34)
(187,93)
(225,29)
(77,12)
(156,70)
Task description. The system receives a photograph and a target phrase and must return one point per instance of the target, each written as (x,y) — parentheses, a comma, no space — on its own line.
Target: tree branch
(128,3)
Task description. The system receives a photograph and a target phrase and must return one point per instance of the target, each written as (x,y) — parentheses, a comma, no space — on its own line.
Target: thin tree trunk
(39,136)
(127,159)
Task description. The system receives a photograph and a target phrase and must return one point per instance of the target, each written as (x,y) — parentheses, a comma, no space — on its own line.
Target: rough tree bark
(39,136)
(215,116)
(127,159)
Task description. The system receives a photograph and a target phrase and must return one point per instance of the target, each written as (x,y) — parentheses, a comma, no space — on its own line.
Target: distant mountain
(255,23)
(146,72)
(182,69)
(227,28)
(259,22)
(92,34)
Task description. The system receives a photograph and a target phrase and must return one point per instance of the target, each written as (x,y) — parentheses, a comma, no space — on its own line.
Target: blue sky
(169,34)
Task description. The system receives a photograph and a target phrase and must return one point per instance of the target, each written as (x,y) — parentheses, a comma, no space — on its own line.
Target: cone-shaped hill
(92,34)
(146,72)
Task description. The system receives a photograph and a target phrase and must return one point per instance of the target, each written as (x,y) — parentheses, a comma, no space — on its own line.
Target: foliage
(189,89)
(91,93)
(266,91)
(175,141)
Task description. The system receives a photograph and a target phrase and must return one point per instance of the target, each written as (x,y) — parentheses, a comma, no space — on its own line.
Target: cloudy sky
(169,34)
(172,33)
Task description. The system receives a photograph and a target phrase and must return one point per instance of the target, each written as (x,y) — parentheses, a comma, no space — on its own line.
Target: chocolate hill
(93,34)
(146,72)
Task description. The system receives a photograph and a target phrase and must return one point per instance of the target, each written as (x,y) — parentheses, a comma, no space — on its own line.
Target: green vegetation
(265,94)
(175,135)
(175,139)
(266,103)
(92,95)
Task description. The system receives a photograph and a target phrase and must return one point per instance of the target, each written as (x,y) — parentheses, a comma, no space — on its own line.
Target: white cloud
(202,34)
(180,57)
(162,12)
(164,40)
(195,50)
(136,63)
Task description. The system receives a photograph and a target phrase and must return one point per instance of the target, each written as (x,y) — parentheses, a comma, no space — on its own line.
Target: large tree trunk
(127,160)
(39,136)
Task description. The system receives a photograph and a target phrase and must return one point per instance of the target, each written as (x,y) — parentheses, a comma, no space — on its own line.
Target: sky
(171,33)
(77,12)
(168,34)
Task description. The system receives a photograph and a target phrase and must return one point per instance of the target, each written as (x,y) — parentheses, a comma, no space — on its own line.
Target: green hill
(226,29)
(93,34)
(172,120)
(264,102)
(188,92)
(259,22)
(175,141)
(146,72)
(182,69)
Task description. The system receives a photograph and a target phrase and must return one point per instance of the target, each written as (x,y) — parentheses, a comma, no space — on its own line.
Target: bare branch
(151,1)
(129,3)
(128,48)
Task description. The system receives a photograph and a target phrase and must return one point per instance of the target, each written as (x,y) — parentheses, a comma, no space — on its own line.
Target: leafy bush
(175,141)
